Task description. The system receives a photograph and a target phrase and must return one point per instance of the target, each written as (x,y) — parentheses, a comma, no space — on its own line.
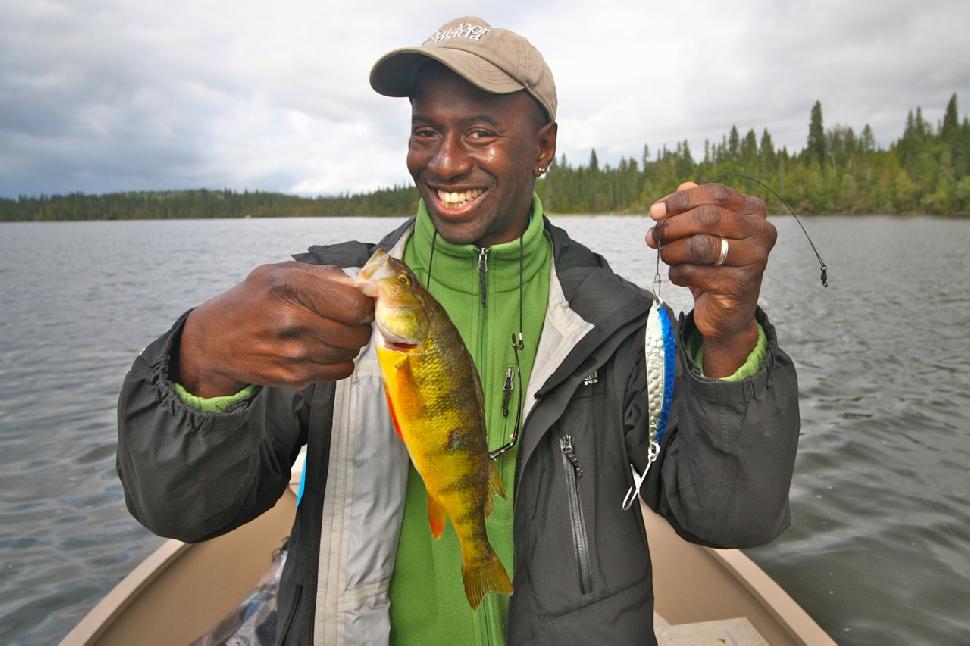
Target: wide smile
(457,203)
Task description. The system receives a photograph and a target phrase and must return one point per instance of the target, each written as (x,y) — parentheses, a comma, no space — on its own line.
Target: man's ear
(546,138)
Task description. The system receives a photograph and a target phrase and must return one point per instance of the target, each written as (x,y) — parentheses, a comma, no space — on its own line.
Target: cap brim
(394,73)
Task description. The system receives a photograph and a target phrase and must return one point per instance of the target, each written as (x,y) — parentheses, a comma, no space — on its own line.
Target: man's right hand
(288,324)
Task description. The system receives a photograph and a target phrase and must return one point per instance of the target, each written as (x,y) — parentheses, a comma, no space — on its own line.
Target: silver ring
(724,252)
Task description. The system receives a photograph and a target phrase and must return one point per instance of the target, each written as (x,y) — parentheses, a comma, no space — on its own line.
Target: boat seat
(724,632)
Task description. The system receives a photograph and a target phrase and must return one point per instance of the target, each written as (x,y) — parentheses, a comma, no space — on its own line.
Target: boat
(182,590)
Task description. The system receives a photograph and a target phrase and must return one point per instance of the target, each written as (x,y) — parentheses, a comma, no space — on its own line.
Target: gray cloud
(112,95)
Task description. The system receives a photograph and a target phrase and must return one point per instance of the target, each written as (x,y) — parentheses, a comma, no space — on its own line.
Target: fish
(436,404)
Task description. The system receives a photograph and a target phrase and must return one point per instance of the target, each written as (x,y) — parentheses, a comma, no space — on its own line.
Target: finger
(325,333)
(686,185)
(719,194)
(298,352)
(658,210)
(327,292)
(302,375)
(735,282)
(707,218)
(704,249)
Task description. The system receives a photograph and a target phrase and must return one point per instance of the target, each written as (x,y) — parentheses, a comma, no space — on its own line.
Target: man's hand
(690,226)
(287,324)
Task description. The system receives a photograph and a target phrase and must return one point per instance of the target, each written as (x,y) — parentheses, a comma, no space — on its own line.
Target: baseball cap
(496,60)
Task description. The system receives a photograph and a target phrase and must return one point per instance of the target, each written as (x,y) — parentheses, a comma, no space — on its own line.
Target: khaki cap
(496,60)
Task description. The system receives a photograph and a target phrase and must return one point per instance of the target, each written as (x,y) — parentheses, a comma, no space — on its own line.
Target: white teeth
(459,199)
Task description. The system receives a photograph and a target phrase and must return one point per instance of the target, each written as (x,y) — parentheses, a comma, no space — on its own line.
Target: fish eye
(404,279)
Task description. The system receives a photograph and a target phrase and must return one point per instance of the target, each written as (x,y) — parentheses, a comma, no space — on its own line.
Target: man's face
(473,155)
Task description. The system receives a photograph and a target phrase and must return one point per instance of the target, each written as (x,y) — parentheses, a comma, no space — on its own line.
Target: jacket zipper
(487,608)
(574,471)
(483,275)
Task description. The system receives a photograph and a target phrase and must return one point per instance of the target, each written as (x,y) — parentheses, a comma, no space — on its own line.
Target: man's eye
(424,133)
(478,133)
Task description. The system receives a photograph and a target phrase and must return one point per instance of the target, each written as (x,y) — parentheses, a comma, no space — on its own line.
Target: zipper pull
(566,444)
(482,275)
(507,391)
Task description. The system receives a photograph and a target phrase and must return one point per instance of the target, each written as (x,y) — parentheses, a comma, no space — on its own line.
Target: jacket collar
(598,296)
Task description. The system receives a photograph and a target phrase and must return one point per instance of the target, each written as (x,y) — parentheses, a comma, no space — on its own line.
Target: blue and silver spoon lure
(660,352)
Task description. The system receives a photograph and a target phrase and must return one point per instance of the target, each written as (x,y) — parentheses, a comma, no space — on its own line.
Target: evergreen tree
(922,127)
(960,151)
(594,165)
(951,120)
(734,144)
(749,150)
(766,151)
(815,148)
(868,141)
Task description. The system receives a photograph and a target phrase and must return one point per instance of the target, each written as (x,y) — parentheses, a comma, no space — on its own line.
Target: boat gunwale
(100,618)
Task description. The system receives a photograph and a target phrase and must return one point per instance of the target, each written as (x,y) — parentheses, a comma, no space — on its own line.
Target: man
(213,413)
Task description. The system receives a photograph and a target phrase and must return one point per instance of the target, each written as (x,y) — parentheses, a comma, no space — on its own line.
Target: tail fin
(487,575)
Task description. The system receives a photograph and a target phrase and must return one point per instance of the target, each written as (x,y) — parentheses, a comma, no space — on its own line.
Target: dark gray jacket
(582,570)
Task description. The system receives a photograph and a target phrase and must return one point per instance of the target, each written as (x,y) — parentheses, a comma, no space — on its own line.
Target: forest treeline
(927,170)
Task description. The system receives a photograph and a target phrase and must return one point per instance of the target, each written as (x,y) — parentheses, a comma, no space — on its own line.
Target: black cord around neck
(434,239)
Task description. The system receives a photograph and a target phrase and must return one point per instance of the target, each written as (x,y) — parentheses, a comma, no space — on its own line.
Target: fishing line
(518,344)
(434,239)
(824,268)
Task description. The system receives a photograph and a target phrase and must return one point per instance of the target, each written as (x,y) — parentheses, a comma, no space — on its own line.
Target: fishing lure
(660,352)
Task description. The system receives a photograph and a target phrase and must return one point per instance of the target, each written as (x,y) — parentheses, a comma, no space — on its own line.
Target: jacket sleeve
(726,464)
(193,475)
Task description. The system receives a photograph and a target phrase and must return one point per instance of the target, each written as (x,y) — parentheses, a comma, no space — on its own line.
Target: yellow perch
(435,399)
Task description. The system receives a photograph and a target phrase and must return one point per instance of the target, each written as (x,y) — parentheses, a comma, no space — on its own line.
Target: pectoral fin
(390,407)
(436,517)
(495,487)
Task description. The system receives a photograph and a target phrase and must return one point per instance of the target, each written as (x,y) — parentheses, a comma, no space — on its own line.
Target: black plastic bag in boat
(252,622)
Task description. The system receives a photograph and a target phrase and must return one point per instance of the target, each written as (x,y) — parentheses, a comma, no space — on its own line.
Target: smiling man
(213,414)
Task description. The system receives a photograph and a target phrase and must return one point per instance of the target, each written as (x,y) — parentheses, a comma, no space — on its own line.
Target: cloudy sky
(113,95)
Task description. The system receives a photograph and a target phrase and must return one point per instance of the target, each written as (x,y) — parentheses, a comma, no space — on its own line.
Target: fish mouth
(392,342)
(398,346)
(371,273)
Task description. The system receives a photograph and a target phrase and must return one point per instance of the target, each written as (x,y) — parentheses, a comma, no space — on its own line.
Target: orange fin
(495,487)
(407,391)
(390,407)
(436,517)
(488,576)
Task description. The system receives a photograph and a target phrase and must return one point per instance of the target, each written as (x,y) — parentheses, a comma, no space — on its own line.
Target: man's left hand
(691,225)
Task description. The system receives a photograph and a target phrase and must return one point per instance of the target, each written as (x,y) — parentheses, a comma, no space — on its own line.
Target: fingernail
(658,210)
(650,241)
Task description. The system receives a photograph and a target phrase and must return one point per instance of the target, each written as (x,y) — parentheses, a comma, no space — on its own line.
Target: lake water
(878,548)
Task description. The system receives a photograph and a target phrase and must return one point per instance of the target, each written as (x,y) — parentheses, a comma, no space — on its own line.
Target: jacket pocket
(573,471)
(621,618)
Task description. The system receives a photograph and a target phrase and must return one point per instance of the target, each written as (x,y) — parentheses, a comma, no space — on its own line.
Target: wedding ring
(724,252)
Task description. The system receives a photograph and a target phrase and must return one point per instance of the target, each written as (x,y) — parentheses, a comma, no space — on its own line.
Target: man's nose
(450,159)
